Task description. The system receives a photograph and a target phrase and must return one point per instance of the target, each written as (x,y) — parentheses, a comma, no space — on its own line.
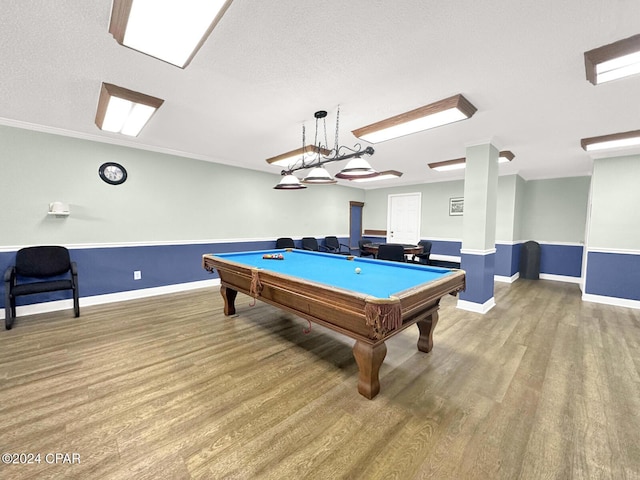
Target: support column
(479,227)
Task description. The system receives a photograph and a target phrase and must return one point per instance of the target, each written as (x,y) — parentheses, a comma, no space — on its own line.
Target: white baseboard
(511,279)
(477,307)
(561,278)
(445,258)
(543,276)
(110,298)
(615,301)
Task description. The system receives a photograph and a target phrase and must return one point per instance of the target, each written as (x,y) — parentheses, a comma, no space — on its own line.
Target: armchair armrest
(10,274)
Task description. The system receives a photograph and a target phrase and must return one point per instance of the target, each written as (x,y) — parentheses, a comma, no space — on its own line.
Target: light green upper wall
(165,198)
(435,219)
(518,220)
(174,199)
(480,197)
(505,212)
(436,223)
(615,216)
(555,210)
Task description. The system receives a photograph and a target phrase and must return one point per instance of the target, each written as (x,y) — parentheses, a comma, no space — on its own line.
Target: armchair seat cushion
(41,287)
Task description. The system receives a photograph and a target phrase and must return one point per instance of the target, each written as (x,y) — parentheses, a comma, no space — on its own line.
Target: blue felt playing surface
(377,278)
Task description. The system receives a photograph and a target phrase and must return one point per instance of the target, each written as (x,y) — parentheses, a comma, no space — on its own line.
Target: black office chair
(311,243)
(333,245)
(39,270)
(285,242)
(363,252)
(426,253)
(391,251)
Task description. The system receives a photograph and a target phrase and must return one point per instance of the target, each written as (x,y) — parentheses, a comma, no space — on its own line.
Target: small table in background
(409,249)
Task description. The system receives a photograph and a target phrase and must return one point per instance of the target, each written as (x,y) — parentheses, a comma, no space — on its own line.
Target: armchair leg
(76,303)
(9,315)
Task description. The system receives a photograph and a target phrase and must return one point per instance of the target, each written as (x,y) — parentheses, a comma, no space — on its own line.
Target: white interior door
(403,219)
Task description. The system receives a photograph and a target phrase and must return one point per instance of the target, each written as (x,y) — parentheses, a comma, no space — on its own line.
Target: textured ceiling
(268,66)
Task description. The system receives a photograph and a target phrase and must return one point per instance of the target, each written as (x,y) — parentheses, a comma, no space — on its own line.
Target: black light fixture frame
(323,160)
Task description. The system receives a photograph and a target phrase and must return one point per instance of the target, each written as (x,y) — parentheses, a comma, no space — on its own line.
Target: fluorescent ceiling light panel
(459,163)
(288,159)
(445,111)
(169,30)
(386,175)
(613,61)
(124,111)
(447,165)
(615,140)
(505,156)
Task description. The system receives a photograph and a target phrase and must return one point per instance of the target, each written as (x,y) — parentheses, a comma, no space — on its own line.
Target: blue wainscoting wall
(559,260)
(613,275)
(507,259)
(107,270)
(480,278)
(563,260)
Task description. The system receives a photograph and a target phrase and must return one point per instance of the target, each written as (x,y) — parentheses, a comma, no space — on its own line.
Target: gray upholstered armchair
(39,270)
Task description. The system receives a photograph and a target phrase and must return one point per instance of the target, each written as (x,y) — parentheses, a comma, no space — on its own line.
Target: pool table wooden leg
(426,327)
(369,359)
(229,296)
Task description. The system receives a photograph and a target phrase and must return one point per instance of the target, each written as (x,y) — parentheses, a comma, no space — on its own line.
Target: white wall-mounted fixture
(124,111)
(59,209)
(442,112)
(172,31)
(616,60)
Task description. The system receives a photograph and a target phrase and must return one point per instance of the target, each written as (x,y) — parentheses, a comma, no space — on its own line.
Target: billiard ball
(358,270)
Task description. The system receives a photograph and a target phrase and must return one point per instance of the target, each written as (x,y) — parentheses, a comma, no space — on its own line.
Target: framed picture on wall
(456,206)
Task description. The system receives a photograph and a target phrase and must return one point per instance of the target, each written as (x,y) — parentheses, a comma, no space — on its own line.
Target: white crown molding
(101,139)
(77,246)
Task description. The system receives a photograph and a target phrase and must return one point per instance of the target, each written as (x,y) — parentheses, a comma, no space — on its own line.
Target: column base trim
(477,307)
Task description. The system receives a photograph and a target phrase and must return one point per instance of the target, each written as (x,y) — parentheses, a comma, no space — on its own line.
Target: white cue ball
(358,270)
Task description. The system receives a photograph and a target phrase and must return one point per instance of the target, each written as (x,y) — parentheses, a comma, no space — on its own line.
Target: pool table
(365,299)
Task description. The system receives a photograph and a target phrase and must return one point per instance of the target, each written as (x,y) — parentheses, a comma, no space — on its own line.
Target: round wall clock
(112,173)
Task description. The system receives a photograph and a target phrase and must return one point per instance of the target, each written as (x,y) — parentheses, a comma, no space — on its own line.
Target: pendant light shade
(357,168)
(289,182)
(319,175)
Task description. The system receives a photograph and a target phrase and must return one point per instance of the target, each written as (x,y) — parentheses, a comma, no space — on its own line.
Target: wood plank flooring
(544,386)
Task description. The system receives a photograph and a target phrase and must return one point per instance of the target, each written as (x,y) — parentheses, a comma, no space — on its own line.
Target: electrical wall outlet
(137,275)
